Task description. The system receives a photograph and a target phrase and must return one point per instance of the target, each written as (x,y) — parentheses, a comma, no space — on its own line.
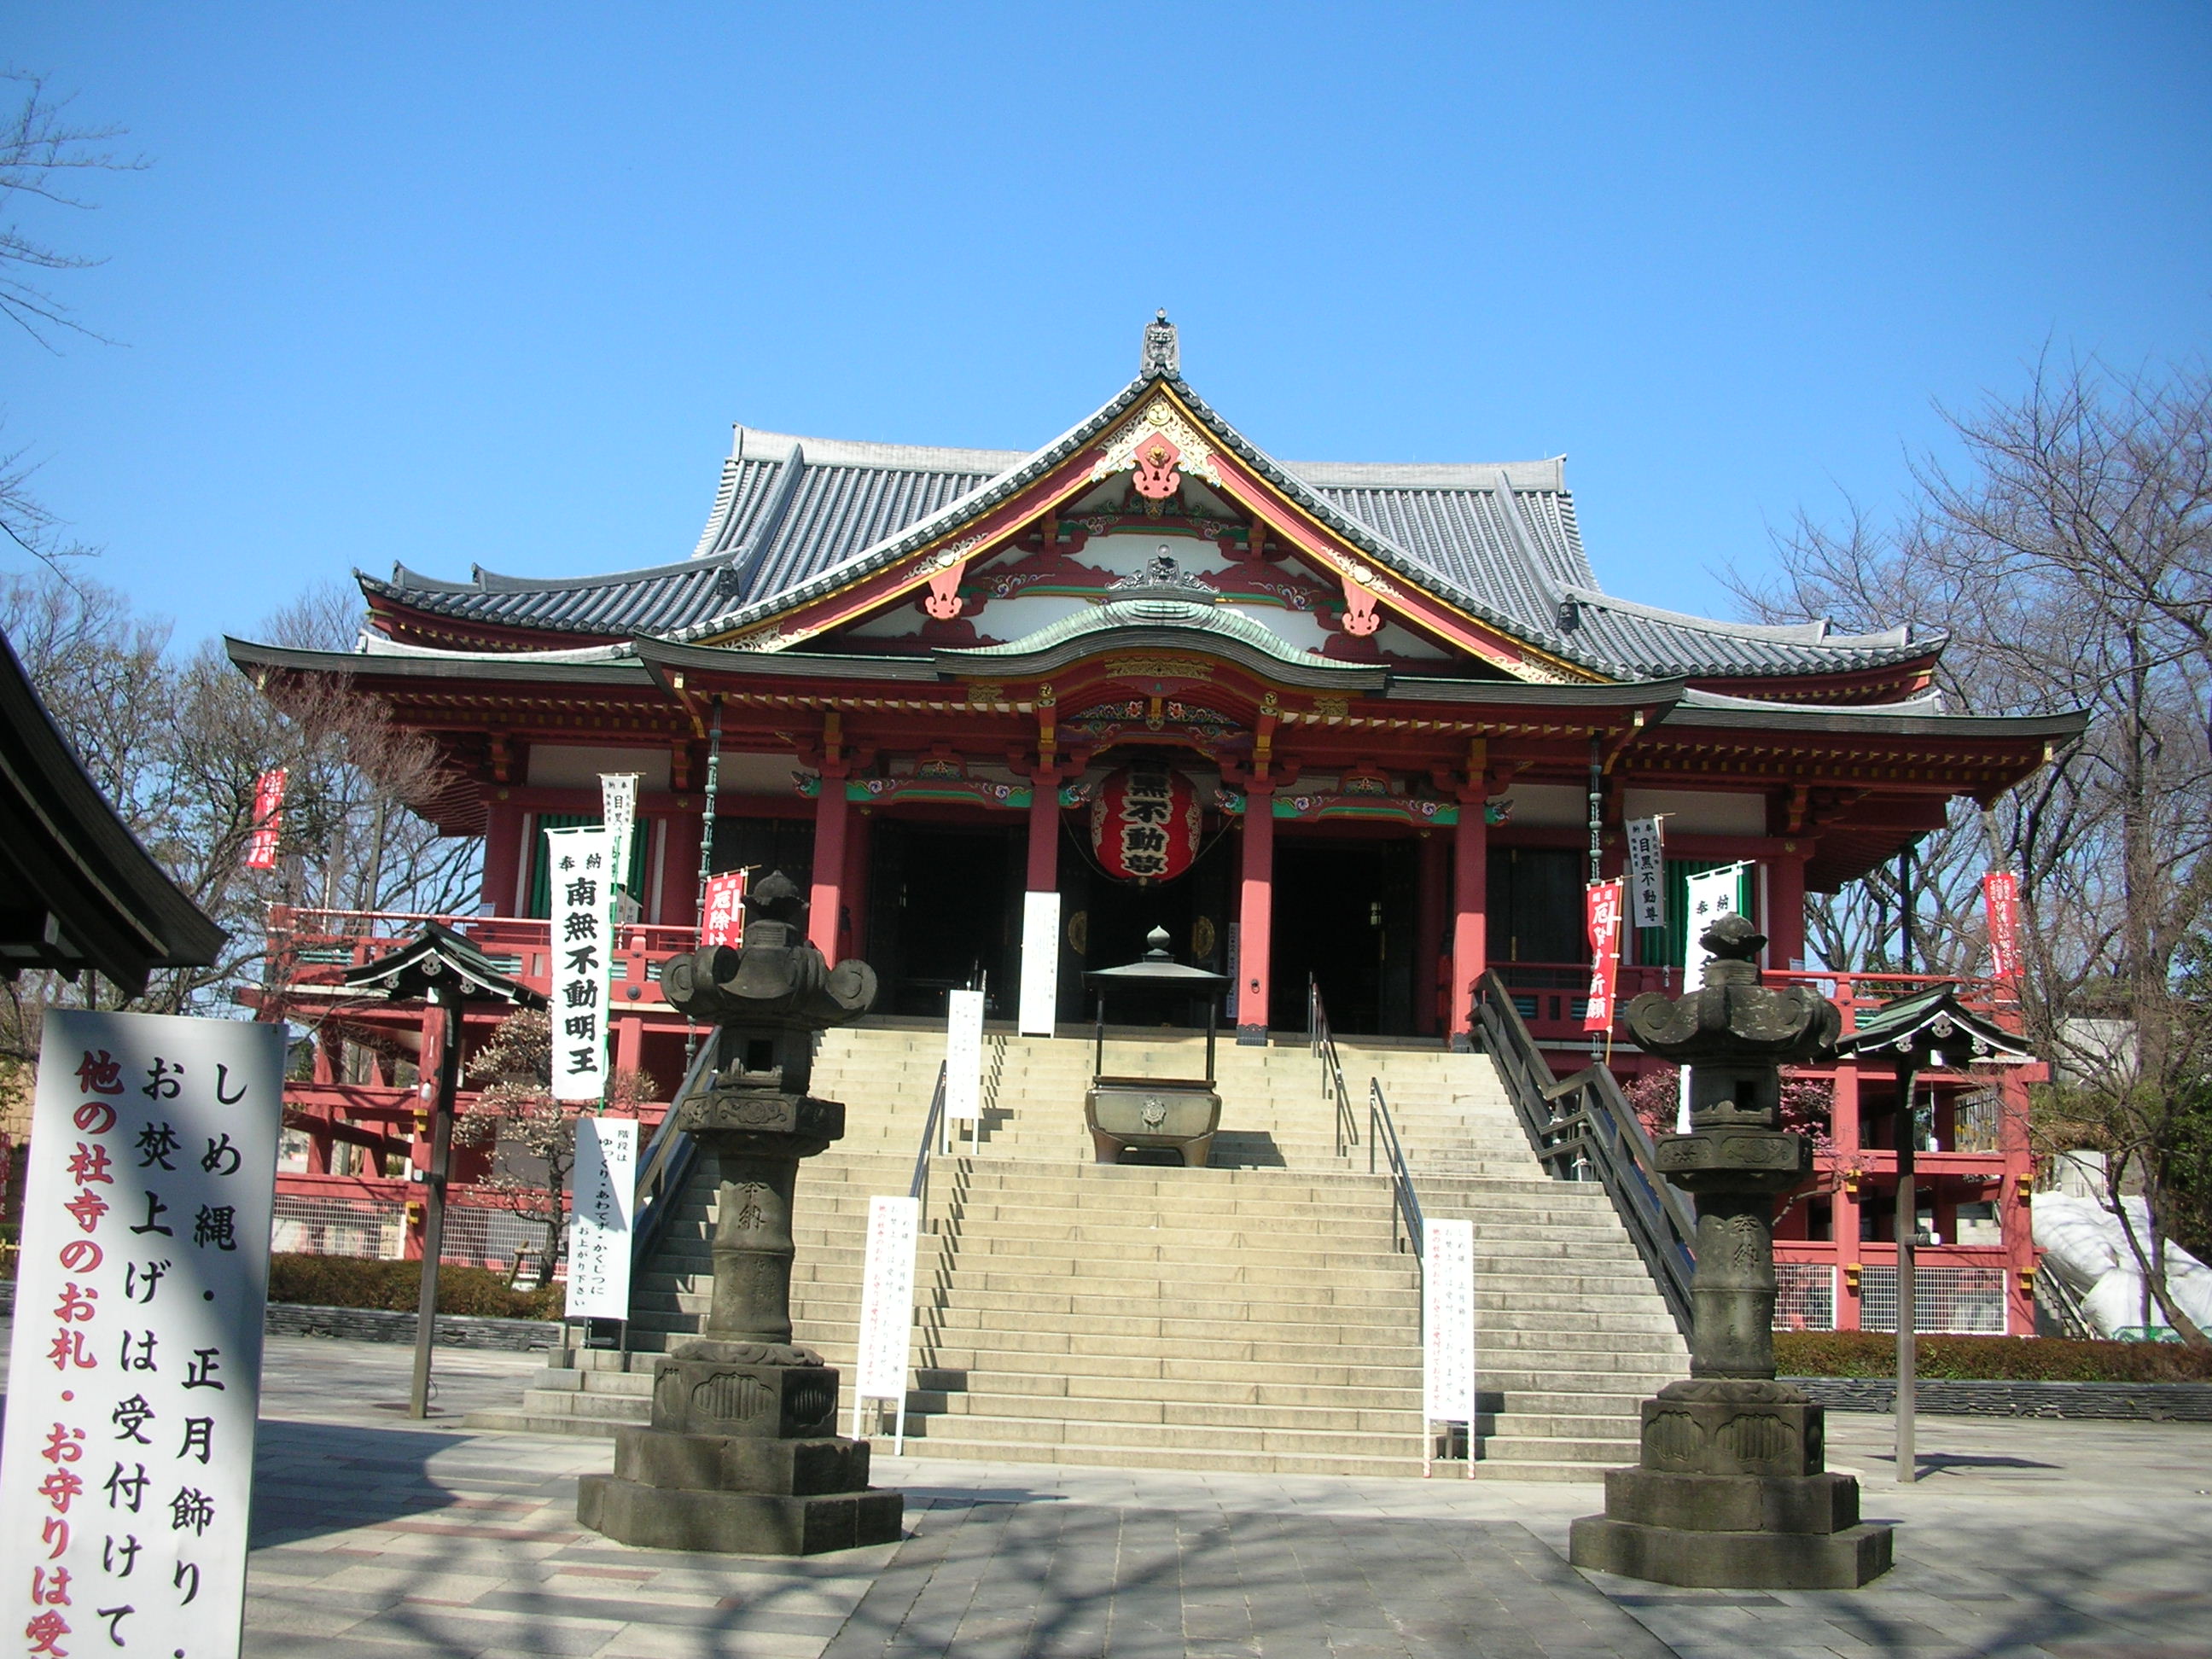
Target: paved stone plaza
(378,1539)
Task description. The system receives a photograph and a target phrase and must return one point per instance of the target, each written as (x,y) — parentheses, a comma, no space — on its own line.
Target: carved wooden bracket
(1360,619)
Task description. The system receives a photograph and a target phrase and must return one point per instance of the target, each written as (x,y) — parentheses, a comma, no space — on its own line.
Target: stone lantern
(743,1456)
(1731,1490)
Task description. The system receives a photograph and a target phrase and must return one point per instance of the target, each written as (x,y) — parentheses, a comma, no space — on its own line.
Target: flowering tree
(1806,1107)
(533,1135)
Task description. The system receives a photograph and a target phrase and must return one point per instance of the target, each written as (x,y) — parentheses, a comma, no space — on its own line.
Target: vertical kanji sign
(135,1371)
(1647,872)
(618,815)
(723,922)
(887,1333)
(1448,1330)
(583,940)
(2000,901)
(268,823)
(604,1190)
(1601,914)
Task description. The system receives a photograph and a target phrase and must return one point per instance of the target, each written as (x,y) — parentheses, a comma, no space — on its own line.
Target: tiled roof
(797,516)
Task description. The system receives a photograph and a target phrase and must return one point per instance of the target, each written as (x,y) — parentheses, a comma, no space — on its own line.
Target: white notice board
(1040,963)
(603,1191)
(963,1056)
(1448,1330)
(886,1308)
(135,1372)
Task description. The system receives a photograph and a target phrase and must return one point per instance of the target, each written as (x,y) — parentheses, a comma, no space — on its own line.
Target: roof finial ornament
(1162,356)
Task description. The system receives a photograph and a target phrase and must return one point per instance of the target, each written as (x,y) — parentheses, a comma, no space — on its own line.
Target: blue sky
(489,283)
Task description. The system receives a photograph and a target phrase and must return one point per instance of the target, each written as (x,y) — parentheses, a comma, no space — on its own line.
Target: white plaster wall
(1701,812)
(577,767)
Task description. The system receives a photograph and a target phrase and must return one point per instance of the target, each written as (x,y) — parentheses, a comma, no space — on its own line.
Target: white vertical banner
(135,1372)
(1448,1330)
(602,1188)
(1712,895)
(886,1308)
(963,1056)
(1040,964)
(1647,872)
(618,817)
(583,939)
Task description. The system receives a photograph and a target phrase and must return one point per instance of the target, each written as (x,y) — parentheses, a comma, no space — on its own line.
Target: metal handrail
(918,1188)
(2065,1303)
(1583,1126)
(666,1165)
(1405,1203)
(1321,1042)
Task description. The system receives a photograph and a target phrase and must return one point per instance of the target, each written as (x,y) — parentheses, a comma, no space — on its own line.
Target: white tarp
(2081,1242)
(603,1185)
(963,1056)
(582,952)
(135,1371)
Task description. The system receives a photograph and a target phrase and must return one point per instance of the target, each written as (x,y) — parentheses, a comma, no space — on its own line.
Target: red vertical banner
(724,920)
(268,820)
(2000,900)
(1602,914)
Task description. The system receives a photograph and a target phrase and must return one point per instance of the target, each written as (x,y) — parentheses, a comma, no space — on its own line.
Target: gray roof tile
(788,511)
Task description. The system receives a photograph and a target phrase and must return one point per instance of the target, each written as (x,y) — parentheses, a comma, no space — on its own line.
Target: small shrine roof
(797,517)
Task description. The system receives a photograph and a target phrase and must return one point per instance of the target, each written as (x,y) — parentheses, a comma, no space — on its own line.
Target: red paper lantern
(1144,825)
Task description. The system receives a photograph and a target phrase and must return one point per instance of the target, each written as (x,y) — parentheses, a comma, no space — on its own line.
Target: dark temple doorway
(944,912)
(1104,923)
(1344,916)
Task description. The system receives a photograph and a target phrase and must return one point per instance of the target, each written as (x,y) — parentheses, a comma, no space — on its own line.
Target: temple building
(1356,734)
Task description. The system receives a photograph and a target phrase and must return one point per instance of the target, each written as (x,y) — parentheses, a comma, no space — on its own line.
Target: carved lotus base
(1730,1493)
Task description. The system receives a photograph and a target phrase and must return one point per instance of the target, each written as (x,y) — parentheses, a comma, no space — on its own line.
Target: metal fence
(1955,1299)
(1805,1298)
(477,1235)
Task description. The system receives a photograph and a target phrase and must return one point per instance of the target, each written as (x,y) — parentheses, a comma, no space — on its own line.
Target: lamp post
(1918,1033)
(440,966)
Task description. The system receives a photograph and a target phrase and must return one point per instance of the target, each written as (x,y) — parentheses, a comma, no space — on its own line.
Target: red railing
(312,948)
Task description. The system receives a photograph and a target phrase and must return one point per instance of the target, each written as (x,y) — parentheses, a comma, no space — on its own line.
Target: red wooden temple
(1376,721)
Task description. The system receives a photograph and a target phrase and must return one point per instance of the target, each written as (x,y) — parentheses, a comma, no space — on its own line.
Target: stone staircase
(1253,1315)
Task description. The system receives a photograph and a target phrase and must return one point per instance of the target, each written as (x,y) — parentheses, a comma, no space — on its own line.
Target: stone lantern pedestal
(1731,1490)
(743,1456)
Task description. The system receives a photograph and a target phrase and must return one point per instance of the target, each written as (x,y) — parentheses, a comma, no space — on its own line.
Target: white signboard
(135,1373)
(1040,963)
(963,1056)
(604,1188)
(1647,872)
(617,813)
(886,1308)
(1712,895)
(1448,1326)
(583,940)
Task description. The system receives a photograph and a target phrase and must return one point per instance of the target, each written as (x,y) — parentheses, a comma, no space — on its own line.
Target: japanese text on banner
(1447,1322)
(1602,914)
(135,1368)
(723,920)
(1647,872)
(963,1056)
(268,820)
(2001,903)
(582,956)
(886,1299)
(604,1187)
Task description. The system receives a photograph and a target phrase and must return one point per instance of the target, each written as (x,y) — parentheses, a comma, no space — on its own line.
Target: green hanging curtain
(1662,947)
(541,884)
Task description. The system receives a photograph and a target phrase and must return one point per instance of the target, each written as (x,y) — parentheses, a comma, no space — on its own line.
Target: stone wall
(2155,1402)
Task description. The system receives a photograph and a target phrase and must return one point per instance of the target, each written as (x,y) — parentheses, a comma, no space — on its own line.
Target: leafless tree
(2068,554)
(178,743)
(41,154)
